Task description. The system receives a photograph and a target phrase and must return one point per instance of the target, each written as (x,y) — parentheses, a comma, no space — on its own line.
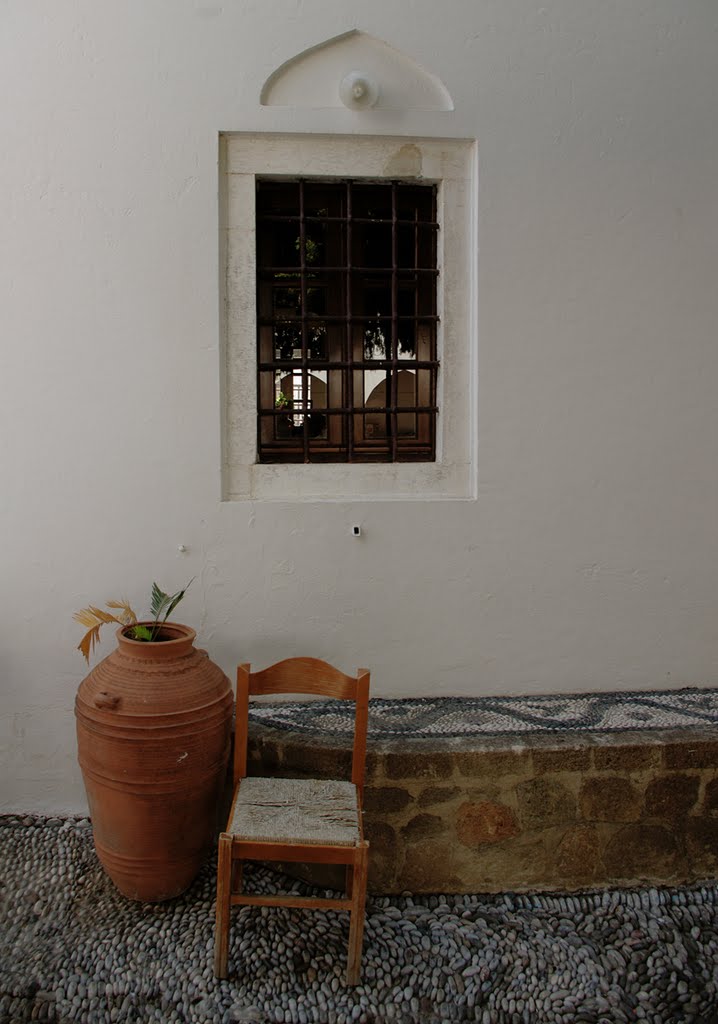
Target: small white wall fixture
(356,71)
(359,90)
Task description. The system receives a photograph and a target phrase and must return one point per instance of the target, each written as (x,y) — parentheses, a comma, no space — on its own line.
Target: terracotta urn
(153,734)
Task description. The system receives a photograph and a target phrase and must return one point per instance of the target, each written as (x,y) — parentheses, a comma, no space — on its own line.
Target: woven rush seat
(311,811)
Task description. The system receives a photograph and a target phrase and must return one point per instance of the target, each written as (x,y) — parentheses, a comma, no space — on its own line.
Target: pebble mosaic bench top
(415,718)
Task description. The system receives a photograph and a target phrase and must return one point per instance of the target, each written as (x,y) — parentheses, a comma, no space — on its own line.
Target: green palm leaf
(159,601)
(175,600)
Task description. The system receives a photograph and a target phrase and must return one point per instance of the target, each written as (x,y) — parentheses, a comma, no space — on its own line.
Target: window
(348,301)
(346,304)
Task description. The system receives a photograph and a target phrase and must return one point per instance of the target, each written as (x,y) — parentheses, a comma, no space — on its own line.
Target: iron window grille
(347,321)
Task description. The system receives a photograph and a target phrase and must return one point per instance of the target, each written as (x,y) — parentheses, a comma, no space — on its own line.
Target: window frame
(449,164)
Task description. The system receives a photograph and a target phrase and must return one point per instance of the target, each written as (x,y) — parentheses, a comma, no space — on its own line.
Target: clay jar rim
(180,642)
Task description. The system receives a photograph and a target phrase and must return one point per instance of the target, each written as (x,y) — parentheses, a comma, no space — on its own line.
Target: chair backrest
(309,676)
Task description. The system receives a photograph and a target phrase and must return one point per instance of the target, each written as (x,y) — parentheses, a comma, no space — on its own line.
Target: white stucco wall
(588,561)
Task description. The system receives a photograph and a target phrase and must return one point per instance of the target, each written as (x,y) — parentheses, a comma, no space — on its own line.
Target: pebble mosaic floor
(453,717)
(72,950)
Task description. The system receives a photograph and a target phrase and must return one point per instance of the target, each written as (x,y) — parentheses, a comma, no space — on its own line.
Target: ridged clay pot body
(153,735)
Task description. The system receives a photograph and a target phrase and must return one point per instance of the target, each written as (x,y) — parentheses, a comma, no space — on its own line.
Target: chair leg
(223,909)
(237,873)
(356,927)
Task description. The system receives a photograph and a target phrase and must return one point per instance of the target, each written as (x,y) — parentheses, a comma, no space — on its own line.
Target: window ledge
(351,482)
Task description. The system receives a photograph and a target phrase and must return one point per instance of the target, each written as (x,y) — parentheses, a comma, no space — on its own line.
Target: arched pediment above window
(314,77)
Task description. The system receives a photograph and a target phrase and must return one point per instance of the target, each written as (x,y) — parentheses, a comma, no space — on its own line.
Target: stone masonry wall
(541,813)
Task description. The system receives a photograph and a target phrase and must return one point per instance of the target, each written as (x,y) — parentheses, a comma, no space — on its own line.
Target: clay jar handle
(106,700)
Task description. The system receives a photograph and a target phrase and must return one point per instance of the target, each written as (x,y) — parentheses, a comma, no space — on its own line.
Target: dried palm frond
(128,617)
(91,615)
(89,640)
(95,618)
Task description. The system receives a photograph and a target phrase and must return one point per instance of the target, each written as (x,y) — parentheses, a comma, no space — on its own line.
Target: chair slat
(297,902)
(304,675)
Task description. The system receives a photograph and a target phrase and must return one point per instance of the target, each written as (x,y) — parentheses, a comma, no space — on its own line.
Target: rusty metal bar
(303,308)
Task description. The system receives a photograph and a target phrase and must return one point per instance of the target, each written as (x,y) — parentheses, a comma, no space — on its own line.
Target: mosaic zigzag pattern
(500,716)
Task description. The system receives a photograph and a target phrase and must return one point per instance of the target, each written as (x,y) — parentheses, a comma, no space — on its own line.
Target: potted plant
(153,734)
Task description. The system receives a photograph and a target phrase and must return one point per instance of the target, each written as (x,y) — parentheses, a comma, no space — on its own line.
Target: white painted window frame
(452,165)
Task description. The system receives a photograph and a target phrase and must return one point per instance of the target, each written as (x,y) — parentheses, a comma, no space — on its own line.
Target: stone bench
(508,794)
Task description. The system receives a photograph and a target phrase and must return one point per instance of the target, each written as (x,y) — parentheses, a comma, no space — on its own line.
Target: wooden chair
(306,820)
